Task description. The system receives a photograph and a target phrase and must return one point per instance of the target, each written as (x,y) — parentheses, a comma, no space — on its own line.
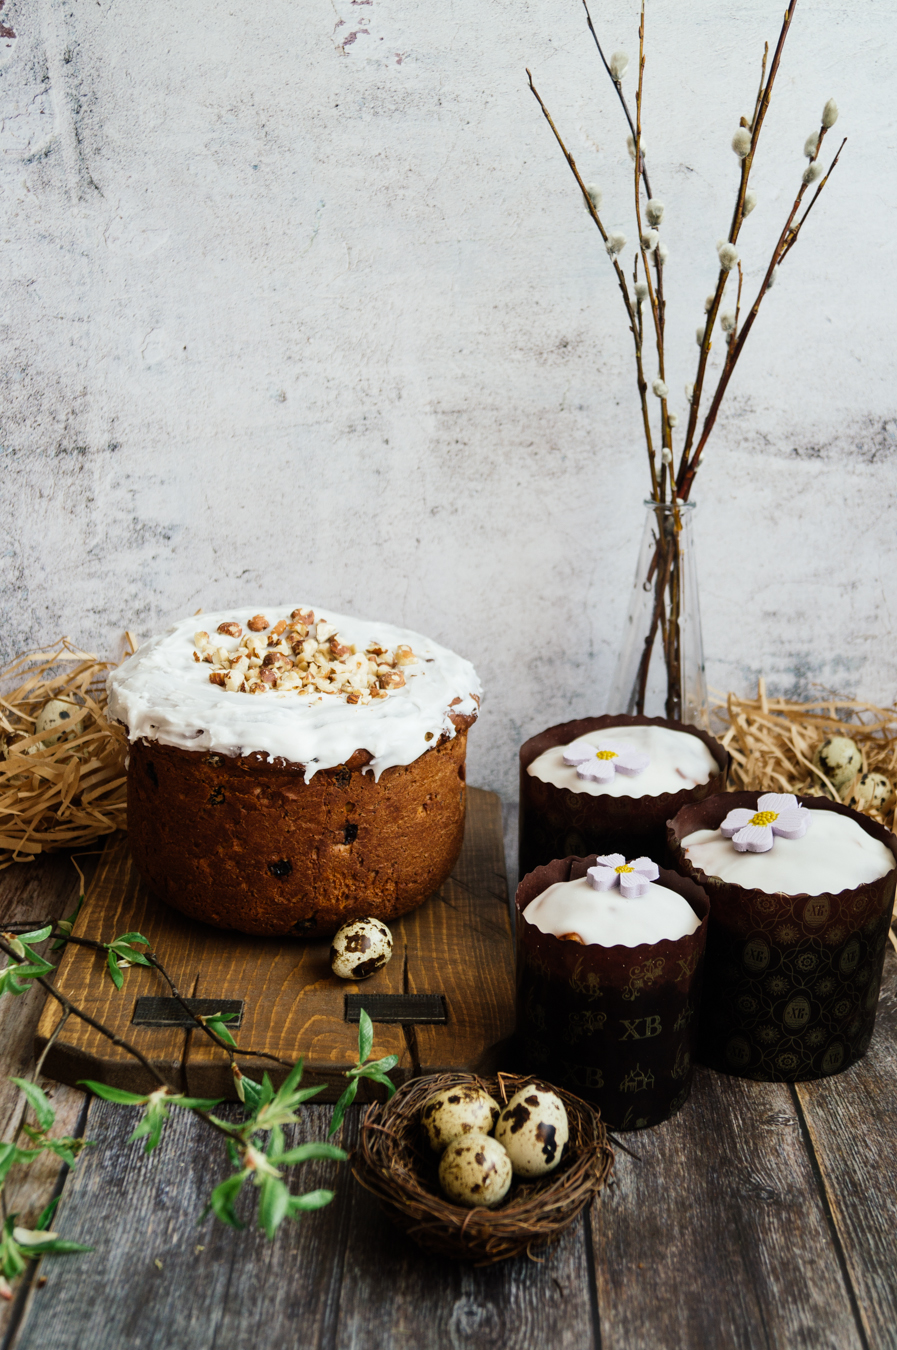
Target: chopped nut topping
(391,679)
(304,657)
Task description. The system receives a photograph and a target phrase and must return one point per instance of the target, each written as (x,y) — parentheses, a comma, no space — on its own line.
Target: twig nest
(533,1129)
(457,1111)
(360,949)
(56,717)
(475,1171)
(870,792)
(840,760)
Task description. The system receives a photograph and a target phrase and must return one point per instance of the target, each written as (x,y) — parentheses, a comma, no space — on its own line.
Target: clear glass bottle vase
(660,669)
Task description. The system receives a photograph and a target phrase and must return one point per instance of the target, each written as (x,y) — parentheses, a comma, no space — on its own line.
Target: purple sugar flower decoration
(631,877)
(755,831)
(598,763)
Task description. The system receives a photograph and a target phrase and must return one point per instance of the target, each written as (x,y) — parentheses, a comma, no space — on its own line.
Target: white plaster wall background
(300,301)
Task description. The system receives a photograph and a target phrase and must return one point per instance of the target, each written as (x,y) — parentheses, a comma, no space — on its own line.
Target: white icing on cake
(836,854)
(162,694)
(605,919)
(677,760)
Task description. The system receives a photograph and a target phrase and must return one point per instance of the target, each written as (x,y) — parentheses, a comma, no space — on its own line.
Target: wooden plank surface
(762,1215)
(851,1121)
(46,888)
(342,1277)
(718,1236)
(458,944)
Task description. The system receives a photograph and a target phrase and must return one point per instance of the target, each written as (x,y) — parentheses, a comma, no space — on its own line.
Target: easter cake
(801,891)
(610,784)
(609,961)
(291,770)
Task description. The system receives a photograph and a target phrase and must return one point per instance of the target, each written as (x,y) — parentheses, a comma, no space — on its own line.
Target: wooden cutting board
(458,944)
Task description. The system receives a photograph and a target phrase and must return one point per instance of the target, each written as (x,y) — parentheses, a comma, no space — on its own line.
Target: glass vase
(660,669)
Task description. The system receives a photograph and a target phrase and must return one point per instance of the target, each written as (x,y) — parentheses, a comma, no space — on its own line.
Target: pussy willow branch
(761,108)
(655,308)
(640,157)
(786,242)
(621,280)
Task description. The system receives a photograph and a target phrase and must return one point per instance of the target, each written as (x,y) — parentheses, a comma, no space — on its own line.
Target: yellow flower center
(605,754)
(764,818)
(624,867)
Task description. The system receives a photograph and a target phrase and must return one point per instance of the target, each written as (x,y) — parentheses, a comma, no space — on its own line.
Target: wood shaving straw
(70,793)
(772,742)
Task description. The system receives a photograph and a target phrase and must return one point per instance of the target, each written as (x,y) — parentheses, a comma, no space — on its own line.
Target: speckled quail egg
(533,1129)
(455,1111)
(54,717)
(870,792)
(840,760)
(475,1171)
(360,948)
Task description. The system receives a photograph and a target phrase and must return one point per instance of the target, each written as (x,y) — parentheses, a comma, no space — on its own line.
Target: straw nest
(394,1162)
(71,792)
(772,742)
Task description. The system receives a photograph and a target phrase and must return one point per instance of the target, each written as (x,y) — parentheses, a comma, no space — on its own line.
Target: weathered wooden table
(762,1215)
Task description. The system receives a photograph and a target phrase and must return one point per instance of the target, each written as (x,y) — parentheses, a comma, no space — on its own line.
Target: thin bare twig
(621,281)
(760,110)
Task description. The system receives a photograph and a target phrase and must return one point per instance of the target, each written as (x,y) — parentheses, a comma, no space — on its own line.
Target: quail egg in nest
(871,792)
(456,1111)
(840,759)
(533,1128)
(475,1171)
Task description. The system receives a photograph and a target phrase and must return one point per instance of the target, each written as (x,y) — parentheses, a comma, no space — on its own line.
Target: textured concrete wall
(299,301)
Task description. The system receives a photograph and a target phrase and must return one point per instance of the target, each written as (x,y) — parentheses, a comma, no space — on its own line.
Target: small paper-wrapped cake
(610,784)
(801,891)
(609,958)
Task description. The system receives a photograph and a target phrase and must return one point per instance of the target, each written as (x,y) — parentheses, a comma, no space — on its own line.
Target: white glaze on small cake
(678,760)
(836,854)
(606,919)
(163,693)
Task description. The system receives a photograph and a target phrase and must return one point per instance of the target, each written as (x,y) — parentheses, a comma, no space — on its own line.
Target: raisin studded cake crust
(241,843)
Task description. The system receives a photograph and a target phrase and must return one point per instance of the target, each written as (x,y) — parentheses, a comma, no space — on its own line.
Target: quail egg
(475,1171)
(870,792)
(840,760)
(56,714)
(360,948)
(456,1111)
(533,1129)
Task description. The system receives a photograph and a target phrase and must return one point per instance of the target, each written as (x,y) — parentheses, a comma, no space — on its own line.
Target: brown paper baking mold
(558,823)
(616,1025)
(792,982)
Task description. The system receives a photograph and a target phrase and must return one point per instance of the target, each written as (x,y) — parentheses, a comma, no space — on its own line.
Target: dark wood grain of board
(718,1236)
(851,1123)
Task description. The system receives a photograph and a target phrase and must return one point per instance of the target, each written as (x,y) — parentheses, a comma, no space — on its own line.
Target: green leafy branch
(377,1071)
(256,1146)
(18,1244)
